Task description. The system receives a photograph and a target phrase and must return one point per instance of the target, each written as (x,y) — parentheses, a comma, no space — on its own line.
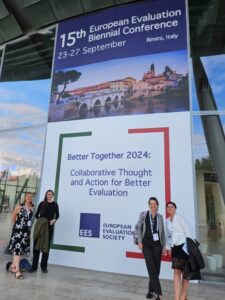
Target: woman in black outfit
(48,209)
(151,241)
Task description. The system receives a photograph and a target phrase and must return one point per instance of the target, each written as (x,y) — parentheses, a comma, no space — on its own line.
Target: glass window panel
(9,28)
(29,58)
(91,5)
(24,103)
(208,147)
(214,67)
(0,60)
(67,8)
(123,1)
(39,14)
(21,153)
(24,3)
(215,70)
(194,100)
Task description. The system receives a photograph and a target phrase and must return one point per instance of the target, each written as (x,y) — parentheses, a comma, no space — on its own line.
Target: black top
(148,237)
(50,211)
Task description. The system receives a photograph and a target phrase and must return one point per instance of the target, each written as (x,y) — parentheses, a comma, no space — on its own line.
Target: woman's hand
(167,252)
(52,222)
(140,246)
(164,252)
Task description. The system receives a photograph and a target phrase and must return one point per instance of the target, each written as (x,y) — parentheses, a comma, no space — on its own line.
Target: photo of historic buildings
(137,85)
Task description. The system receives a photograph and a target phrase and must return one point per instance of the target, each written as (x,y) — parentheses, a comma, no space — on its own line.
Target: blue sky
(21,151)
(199,144)
(215,70)
(33,92)
(24,103)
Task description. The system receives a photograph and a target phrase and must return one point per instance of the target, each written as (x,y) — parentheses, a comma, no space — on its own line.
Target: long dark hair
(45,202)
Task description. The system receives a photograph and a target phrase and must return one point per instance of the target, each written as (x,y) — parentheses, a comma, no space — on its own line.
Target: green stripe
(61,138)
(68,248)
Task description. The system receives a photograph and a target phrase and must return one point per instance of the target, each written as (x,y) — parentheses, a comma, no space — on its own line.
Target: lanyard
(28,211)
(151,223)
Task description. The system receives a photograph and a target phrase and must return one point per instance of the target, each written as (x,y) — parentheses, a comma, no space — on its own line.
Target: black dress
(20,239)
(49,210)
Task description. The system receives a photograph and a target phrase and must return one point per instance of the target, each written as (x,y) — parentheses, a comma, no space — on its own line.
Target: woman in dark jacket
(151,240)
(48,209)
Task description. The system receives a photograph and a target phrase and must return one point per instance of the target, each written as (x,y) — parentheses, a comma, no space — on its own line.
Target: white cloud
(17,115)
(21,164)
(23,141)
(21,151)
(199,146)
(9,94)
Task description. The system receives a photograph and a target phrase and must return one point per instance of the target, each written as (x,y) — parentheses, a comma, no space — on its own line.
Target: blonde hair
(24,199)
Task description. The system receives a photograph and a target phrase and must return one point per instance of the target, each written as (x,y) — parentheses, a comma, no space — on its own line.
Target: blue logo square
(89,225)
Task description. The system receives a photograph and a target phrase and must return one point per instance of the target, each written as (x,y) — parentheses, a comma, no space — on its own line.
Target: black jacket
(195,261)
(195,257)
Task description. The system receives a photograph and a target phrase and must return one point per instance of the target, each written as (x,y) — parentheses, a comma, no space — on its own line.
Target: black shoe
(158,298)
(32,270)
(44,270)
(149,295)
(8,265)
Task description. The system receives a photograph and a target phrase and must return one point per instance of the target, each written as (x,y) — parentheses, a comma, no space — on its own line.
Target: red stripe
(167,166)
(134,255)
(165,131)
(140,256)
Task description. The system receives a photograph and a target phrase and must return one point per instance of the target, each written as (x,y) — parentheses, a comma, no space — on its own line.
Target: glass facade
(208,151)
(24,101)
(21,161)
(209,187)
(208,114)
(0,56)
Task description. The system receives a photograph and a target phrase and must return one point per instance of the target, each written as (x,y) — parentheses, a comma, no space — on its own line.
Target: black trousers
(44,258)
(152,255)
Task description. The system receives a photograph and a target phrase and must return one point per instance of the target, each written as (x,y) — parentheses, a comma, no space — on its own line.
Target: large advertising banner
(118,131)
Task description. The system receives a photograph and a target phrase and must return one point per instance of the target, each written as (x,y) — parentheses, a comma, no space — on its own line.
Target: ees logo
(89,225)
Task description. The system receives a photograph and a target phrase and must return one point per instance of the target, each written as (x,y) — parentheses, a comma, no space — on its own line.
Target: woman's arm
(52,222)
(56,211)
(15,212)
(167,236)
(38,210)
(163,236)
(185,227)
(140,230)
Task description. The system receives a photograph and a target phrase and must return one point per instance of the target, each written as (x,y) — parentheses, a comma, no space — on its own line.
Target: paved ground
(62,283)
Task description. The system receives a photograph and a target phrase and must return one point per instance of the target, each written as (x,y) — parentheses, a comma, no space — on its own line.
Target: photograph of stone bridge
(166,91)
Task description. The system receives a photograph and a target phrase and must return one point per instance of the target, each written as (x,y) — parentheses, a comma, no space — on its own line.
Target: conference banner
(118,131)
